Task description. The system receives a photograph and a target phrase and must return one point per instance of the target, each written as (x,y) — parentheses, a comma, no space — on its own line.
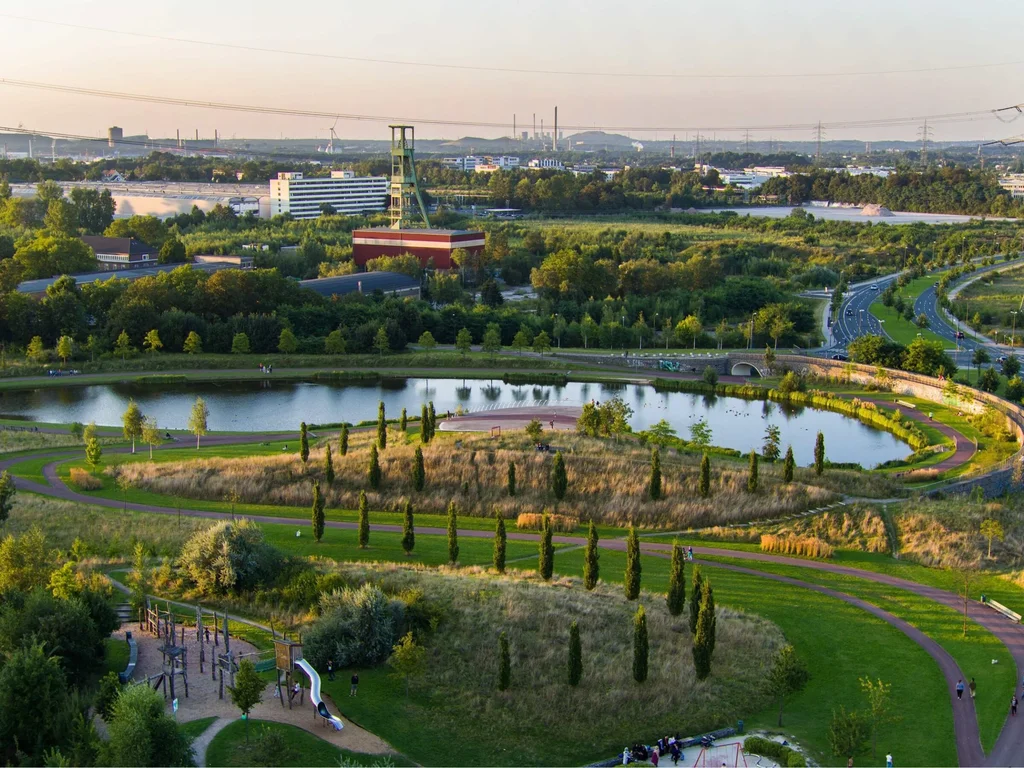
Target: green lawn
(115,655)
(902,330)
(195,728)
(228,748)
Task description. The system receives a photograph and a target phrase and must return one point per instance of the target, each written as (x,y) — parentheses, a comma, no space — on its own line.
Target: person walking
(1013,705)
(973,686)
(330,669)
(355,684)
(888,761)
(654,757)
(959,689)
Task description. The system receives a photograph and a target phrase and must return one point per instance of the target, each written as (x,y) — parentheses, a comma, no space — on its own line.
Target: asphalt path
(854,317)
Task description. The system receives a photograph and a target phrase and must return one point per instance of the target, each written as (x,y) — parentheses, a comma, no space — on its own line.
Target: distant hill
(597,140)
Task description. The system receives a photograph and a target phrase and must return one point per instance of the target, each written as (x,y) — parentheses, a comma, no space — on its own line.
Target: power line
(892,122)
(518,70)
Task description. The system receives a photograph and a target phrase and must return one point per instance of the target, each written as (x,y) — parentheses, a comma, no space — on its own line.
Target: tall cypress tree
(403,423)
(677,580)
(328,466)
(819,454)
(752,474)
(419,473)
(705,477)
(424,425)
(788,465)
(500,544)
(453,533)
(433,419)
(511,485)
(575,655)
(408,529)
(318,512)
(632,564)
(504,663)
(373,470)
(382,427)
(704,637)
(695,594)
(343,440)
(559,480)
(591,568)
(640,645)
(364,521)
(654,484)
(546,558)
(303,442)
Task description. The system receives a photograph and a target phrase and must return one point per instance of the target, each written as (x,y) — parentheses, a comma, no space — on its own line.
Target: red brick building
(427,245)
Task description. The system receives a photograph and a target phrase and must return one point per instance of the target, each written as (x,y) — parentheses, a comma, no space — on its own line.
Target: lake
(268,405)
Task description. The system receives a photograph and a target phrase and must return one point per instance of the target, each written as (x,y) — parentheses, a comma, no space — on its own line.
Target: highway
(854,319)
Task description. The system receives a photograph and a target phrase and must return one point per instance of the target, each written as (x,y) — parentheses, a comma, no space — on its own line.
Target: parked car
(842,357)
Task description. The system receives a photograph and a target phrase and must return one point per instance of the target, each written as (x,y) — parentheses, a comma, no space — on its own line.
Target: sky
(744,40)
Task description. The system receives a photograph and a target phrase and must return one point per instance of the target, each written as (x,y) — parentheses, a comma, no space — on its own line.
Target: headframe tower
(405,189)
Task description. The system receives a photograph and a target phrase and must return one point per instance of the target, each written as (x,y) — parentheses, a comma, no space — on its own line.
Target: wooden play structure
(161,623)
(286,654)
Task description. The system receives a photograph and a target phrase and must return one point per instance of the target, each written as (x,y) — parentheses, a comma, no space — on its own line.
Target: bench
(905,404)
(1012,615)
(133,659)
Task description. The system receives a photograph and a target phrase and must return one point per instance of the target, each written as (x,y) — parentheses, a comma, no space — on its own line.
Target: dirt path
(201,744)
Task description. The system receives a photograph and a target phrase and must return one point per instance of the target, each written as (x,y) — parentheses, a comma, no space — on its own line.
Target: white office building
(547,162)
(1014,184)
(345,192)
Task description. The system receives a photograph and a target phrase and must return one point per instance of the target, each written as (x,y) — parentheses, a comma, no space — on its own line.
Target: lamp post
(750,340)
(1013,334)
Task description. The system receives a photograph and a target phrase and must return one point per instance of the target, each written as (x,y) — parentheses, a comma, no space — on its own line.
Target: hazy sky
(724,37)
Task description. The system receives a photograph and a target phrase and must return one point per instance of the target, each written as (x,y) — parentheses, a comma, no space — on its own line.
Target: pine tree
(328,466)
(752,475)
(500,544)
(559,480)
(705,477)
(408,529)
(677,581)
(382,427)
(640,646)
(303,443)
(419,476)
(654,484)
(546,558)
(575,655)
(695,595)
(788,465)
(373,470)
(591,568)
(632,564)
(424,425)
(511,485)
(704,637)
(453,533)
(343,440)
(504,663)
(403,423)
(364,521)
(819,454)
(318,512)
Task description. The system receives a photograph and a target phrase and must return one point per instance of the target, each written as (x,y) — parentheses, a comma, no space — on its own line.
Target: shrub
(229,557)
(783,755)
(804,546)
(356,628)
(84,481)
(531,521)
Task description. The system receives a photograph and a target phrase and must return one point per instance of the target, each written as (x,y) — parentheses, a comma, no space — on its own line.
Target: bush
(229,557)
(804,546)
(357,628)
(783,755)
(84,481)
(531,521)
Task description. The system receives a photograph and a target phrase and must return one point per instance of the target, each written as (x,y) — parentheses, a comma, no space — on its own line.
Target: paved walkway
(202,743)
(965,449)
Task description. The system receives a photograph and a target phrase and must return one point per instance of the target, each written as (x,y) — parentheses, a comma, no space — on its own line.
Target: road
(855,319)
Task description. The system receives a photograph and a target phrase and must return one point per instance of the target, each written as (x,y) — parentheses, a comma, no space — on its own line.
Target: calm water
(854,215)
(272,405)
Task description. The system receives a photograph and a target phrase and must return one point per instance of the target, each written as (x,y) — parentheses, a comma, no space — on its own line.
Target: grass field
(902,330)
(195,728)
(994,297)
(115,655)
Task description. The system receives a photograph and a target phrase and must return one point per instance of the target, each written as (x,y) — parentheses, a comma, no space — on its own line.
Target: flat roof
(385,282)
(421,231)
(40,285)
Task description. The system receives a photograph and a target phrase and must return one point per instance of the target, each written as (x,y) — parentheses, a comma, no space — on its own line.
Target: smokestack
(513,126)
(177,133)
(216,137)
(535,126)
(554,133)
(197,134)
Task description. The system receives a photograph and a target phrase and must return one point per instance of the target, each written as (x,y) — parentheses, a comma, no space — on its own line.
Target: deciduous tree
(248,689)
(131,420)
(787,674)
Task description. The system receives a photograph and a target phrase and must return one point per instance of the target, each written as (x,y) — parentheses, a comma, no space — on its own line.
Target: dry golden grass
(458,696)
(607,482)
(804,546)
(84,481)
(921,475)
(11,440)
(531,521)
(852,528)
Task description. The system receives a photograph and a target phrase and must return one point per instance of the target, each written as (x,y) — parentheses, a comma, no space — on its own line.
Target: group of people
(57,372)
(266,368)
(641,753)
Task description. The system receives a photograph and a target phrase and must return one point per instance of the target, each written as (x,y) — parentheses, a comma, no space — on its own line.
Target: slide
(314,694)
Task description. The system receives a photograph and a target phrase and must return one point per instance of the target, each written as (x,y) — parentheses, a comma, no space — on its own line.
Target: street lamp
(1013,335)
(750,341)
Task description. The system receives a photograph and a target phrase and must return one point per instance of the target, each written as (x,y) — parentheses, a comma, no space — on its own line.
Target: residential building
(112,177)
(346,193)
(1014,184)
(121,252)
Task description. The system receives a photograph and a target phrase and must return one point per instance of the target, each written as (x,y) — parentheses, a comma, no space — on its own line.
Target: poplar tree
(591,568)
(504,663)
(575,655)
(303,443)
(364,521)
(632,564)
(419,476)
(705,477)
(704,637)
(640,645)
(453,533)
(546,558)
(343,440)
(511,478)
(433,419)
(382,427)
(500,544)
(408,530)
(373,470)
(788,465)
(654,484)
(752,475)
(559,480)
(677,580)
(819,454)
(328,466)
(695,596)
(403,423)
(318,512)
(424,425)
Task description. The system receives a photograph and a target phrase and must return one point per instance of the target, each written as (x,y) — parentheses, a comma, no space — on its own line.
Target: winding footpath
(1009,747)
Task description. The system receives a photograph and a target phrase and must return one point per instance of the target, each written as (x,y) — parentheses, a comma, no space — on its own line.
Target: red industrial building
(427,245)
